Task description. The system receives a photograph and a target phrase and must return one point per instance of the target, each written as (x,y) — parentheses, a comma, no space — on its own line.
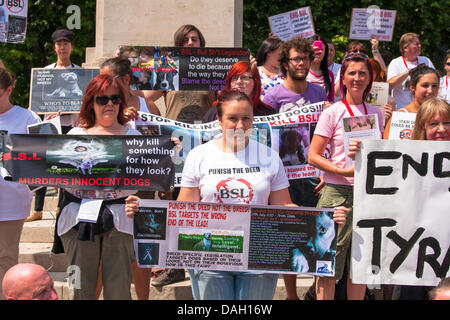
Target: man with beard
(295,60)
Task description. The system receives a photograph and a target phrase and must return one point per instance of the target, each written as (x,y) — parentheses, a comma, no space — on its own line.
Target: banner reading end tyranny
(91,162)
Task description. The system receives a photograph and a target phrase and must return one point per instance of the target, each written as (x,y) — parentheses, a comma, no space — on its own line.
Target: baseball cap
(63,34)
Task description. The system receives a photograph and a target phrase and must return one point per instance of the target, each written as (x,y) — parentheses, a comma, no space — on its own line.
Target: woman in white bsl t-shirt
(216,172)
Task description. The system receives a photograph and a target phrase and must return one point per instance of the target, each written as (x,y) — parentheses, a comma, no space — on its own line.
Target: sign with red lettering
(372,22)
(231,237)
(90,162)
(295,23)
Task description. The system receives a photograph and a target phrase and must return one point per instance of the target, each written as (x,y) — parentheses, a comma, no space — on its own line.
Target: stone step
(40,230)
(178,291)
(50,202)
(40,253)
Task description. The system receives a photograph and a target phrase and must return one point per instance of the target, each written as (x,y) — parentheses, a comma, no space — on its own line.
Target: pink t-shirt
(330,126)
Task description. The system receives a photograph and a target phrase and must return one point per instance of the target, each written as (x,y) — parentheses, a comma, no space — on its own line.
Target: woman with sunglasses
(110,239)
(356,81)
(444,89)
(243,76)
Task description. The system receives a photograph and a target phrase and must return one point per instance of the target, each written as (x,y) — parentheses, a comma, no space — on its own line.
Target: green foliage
(430,19)
(44,17)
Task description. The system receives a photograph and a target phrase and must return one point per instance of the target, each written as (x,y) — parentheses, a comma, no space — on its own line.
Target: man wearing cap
(63,46)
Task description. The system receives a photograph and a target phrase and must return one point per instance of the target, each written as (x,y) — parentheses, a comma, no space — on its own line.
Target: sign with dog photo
(59,89)
(231,237)
(13,20)
(182,68)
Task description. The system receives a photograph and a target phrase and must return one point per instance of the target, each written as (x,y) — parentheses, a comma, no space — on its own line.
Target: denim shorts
(331,196)
(227,285)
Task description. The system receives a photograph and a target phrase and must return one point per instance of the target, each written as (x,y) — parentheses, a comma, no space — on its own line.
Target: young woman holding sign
(110,238)
(424,85)
(269,185)
(355,83)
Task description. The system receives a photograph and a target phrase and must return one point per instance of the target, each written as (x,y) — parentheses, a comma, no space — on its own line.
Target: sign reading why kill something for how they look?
(182,68)
(401,213)
(231,237)
(90,162)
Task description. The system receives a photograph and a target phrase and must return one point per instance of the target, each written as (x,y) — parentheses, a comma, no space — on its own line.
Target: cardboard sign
(295,23)
(13,20)
(182,68)
(402,125)
(229,237)
(59,89)
(368,23)
(401,213)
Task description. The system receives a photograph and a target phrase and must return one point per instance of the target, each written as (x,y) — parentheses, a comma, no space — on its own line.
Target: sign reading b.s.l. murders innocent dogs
(90,162)
(59,89)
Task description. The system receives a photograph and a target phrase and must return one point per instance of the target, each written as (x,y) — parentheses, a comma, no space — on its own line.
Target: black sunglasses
(103,100)
(353,55)
(448,63)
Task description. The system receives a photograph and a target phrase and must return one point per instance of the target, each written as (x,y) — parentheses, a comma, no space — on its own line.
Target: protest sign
(52,126)
(90,162)
(372,22)
(59,89)
(13,20)
(401,213)
(230,237)
(361,128)
(289,133)
(379,94)
(402,125)
(182,68)
(295,23)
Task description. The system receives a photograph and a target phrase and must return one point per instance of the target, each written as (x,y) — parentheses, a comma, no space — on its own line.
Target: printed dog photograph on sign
(83,156)
(150,223)
(211,240)
(166,69)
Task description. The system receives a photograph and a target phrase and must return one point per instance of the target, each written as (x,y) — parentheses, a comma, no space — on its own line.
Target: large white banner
(401,217)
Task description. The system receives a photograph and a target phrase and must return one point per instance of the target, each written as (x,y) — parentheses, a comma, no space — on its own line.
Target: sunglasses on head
(103,100)
(353,55)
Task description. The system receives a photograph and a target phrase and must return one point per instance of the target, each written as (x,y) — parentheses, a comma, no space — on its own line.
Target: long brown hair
(178,37)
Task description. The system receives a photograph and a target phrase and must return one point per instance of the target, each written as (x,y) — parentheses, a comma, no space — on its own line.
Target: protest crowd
(283,77)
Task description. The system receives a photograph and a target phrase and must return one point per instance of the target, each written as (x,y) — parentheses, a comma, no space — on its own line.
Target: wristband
(375,51)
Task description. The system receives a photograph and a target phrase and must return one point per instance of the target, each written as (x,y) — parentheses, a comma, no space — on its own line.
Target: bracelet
(375,51)
(335,170)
